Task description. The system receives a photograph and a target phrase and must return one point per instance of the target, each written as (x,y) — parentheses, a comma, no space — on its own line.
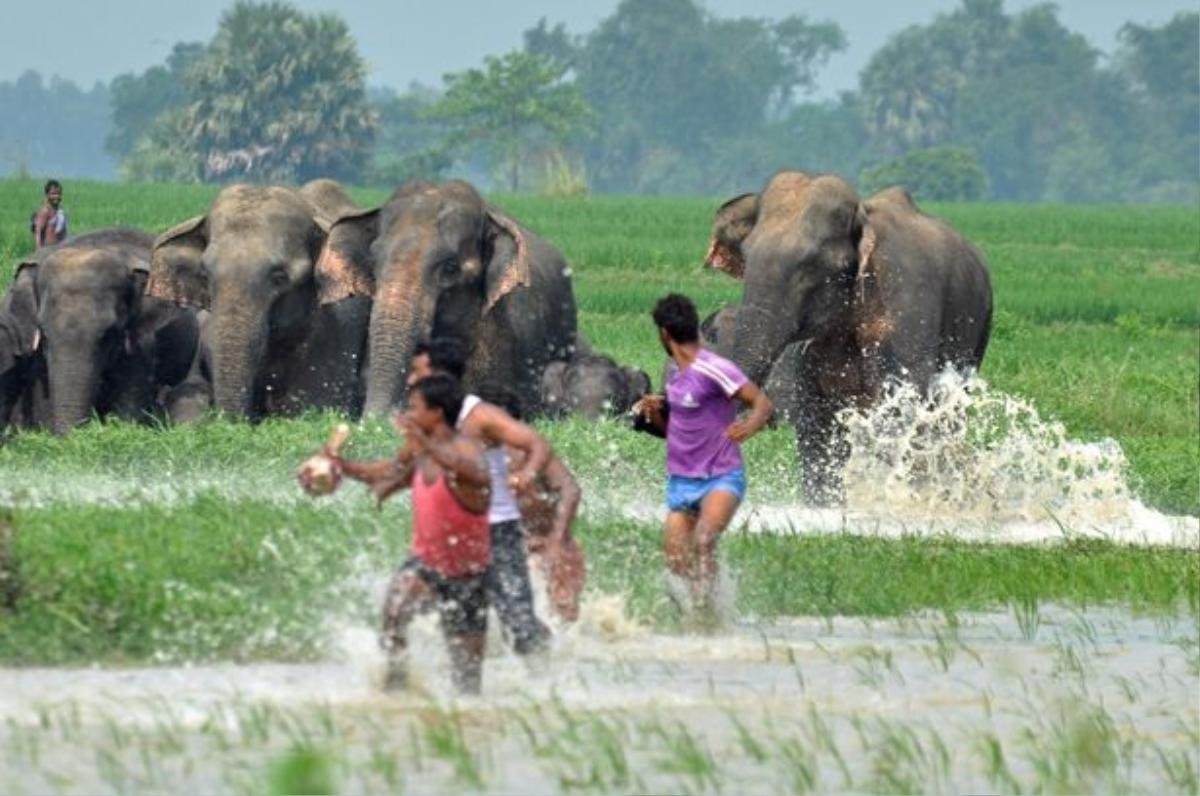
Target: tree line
(661,97)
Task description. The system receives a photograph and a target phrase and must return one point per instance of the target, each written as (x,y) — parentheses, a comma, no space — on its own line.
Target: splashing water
(971,453)
(980,465)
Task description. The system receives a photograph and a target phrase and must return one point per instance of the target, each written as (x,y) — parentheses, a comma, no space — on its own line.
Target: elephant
(592,385)
(444,262)
(873,292)
(284,334)
(93,341)
(24,396)
(716,333)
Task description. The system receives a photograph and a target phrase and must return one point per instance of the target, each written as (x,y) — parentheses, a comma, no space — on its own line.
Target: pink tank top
(448,539)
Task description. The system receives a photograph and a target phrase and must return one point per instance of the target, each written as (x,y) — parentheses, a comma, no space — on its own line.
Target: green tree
(53,128)
(677,88)
(137,100)
(1162,64)
(516,102)
(940,174)
(278,95)
(408,144)
(911,86)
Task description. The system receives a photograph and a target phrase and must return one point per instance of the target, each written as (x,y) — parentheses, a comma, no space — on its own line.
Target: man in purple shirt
(705,480)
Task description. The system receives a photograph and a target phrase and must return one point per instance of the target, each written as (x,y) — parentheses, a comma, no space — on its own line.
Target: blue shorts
(686,494)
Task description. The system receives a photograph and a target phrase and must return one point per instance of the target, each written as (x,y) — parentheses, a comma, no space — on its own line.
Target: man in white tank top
(507,579)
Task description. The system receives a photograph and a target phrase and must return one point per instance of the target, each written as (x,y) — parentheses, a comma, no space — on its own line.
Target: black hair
(677,314)
(51,184)
(446,354)
(442,391)
(497,394)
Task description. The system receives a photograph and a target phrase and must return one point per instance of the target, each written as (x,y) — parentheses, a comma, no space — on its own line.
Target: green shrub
(940,174)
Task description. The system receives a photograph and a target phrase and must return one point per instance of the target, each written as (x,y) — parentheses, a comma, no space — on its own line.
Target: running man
(507,580)
(547,512)
(50,221)
(706,482)
(451,544)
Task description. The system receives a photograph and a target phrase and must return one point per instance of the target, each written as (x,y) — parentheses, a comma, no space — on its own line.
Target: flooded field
(1008,601)
(1044,699)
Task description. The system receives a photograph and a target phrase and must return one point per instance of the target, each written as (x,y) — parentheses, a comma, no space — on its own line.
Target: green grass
(132,543)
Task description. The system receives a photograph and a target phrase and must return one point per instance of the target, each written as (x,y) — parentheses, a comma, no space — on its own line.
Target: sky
(420,40)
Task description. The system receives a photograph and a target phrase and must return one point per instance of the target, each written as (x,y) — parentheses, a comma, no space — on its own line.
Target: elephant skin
(444,262)
(284,335)
(591,385)
(98,344)
(873,292)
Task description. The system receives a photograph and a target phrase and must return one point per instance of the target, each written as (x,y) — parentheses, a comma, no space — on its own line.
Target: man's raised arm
(498,426)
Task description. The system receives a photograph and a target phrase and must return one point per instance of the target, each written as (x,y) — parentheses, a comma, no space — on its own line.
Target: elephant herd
(280,299)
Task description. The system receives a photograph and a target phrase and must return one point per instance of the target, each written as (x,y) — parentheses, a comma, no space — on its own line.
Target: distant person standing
(698,414)
(50,222)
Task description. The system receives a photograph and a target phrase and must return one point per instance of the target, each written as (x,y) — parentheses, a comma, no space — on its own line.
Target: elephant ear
(732,223)
(177,267)
(508,265)
(344,263)
(21,305)
(873,320)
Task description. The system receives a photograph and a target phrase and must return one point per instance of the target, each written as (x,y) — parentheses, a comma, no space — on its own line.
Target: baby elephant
(592,385)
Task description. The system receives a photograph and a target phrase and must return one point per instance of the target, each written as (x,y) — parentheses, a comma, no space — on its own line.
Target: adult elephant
(284,333)
(445,262)
(97,344)
(871,291)
(717,331)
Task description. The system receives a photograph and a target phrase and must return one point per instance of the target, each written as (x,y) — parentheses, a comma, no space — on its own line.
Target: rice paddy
(176,615)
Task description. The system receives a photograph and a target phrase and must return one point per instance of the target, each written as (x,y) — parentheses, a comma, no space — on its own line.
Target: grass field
(127,543)
(176,616)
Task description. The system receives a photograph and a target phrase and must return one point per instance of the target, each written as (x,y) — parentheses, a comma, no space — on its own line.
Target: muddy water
(1038,699)
(1072,701)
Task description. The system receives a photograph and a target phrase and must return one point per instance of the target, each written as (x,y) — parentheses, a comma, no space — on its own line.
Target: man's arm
(384,476)
(39,227)
(496,425)
(760,412)
(559,479)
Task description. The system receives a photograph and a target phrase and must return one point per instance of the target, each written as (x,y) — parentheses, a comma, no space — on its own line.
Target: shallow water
(1039,698)
(1095,700)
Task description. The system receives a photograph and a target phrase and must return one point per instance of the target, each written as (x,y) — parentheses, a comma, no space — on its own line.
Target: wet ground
(1049,699)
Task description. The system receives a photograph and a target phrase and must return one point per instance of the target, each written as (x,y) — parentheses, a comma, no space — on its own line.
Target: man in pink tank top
(451,541)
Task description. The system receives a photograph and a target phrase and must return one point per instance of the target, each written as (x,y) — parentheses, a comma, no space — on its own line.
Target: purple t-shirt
(702,407)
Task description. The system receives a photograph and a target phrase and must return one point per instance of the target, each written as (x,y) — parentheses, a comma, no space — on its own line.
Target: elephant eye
(447,268)
(279,276)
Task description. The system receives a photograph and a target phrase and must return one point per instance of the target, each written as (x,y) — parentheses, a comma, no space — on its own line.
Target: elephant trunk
(396,326)
(758,338)
(238,342)
(74,380)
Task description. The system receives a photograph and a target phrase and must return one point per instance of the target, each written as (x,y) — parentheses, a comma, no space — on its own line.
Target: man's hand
(415,440)
(740,431)
(649,405)
(522,480)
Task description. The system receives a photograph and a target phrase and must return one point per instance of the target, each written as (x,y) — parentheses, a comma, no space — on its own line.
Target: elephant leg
(823,449)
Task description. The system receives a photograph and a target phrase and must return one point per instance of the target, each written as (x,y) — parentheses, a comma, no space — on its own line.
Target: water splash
(968,452)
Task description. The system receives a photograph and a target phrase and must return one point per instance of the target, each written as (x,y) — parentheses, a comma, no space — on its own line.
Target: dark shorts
(686,494)
(509,590)
(461,602)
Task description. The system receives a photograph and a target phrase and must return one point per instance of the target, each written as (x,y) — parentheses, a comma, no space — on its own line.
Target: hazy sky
(407,40)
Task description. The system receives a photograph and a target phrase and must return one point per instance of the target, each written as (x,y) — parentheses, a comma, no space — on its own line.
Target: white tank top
(503,505)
